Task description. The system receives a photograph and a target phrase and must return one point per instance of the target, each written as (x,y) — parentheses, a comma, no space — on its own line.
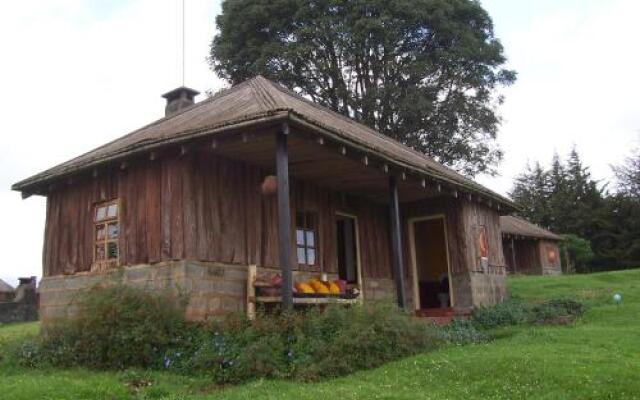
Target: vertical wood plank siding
(201,207)
(462,218)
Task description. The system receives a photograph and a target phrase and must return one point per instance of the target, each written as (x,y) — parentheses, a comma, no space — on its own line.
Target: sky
(78,73)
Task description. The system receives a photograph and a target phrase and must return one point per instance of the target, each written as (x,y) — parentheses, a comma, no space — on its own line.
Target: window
(306,243)
(107,231)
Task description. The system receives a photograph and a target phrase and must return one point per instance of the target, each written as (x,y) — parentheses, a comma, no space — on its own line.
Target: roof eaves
(52,173)
(424,169)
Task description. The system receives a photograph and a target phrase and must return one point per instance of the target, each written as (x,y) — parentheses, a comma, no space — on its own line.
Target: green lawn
(596,358)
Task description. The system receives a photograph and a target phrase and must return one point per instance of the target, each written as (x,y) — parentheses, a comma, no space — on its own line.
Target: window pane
(101,213)
(112,250)
(311,257)
(301,256)
(112,231)
(112,210)
(100,252)
(311,239)
(100,232)
(299,237)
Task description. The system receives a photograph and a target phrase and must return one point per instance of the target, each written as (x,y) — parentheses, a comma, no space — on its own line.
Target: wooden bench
(253,300)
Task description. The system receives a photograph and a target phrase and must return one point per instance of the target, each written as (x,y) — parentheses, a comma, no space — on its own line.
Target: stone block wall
(488,287)
(211,289)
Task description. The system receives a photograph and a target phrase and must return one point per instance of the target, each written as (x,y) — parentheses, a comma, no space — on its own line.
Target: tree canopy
(566,199)
(628,176)
(425,72)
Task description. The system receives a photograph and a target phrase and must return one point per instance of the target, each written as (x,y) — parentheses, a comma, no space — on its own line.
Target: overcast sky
(78,73)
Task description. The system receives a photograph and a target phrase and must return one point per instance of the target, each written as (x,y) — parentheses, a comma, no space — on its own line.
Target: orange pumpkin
(304,288)
(333,288)
(319,287)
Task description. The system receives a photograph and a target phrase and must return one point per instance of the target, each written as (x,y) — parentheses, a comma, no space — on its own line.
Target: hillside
(595,358)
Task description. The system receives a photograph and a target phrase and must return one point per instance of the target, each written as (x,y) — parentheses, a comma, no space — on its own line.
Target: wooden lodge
(259,176)
(528,248)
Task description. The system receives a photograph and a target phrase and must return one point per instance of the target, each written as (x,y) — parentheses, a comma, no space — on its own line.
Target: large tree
(425,72)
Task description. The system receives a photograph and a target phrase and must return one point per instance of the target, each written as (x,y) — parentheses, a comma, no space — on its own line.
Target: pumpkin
(304,288)
(319,287)
(342,284)
(333,288)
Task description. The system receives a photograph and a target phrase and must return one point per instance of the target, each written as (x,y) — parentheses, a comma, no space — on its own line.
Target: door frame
(357,234)
(414,262)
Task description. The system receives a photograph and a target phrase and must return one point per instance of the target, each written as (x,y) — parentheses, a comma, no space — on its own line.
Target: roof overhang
(419,175)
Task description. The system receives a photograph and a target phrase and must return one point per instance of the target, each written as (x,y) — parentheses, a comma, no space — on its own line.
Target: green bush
(114,327)
(509,312)
(120,327)
(461,332)
(557,311)
(514,312)
(306,345)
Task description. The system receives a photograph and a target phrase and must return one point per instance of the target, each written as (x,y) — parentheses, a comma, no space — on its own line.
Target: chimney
(179,99)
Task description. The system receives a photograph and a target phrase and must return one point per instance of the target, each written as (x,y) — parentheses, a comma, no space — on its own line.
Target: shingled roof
(515,226)
(253,102)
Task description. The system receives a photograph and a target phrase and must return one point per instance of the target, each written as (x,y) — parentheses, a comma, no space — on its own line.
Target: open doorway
(347,249)
(430,257)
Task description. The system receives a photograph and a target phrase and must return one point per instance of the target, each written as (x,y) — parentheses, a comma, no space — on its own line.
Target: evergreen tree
(628,176)
(566,199)
(531,192)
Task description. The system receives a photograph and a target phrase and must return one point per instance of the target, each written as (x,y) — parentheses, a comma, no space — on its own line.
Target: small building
(528,248)
(259,176)
(21,304)
(6,292)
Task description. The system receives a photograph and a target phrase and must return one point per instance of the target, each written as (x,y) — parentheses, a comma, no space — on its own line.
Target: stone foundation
(211,289)
(488,288)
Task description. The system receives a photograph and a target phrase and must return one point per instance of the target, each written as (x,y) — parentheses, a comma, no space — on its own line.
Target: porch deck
(439,316)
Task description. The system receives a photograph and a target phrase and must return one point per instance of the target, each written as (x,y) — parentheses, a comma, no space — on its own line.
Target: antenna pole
(183,47)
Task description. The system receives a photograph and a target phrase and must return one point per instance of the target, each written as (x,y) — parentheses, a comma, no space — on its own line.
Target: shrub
(114,327)
(307,345)
(514,312)
(557,311)
(120,327)
(461,332)
(509,312)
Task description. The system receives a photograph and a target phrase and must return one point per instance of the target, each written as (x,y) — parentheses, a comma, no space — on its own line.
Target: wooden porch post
(513,255)
(284,216)
(396,242)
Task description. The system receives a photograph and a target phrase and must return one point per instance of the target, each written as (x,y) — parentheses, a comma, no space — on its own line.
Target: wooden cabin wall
(544,247)
(450,208)
(528,256)
(205,208)
(508,254)
(475,215)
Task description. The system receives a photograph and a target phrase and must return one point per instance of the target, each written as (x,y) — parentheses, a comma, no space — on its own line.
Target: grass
(595,358)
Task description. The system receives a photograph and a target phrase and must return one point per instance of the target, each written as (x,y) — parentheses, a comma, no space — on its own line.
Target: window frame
(106,240)
(307,228)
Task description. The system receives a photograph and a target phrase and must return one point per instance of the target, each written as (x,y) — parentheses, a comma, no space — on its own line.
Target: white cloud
(76,74)
(578,84)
